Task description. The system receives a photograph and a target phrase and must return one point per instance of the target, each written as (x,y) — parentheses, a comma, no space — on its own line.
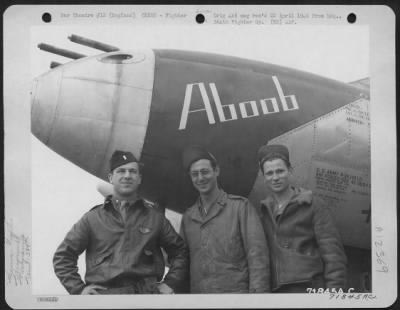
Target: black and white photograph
(227,155)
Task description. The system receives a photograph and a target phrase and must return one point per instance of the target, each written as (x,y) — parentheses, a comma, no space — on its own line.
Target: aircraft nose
(86,109)
(44,104)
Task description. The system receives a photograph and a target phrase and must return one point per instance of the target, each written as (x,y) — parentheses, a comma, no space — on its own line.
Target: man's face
(204,176)
(276,175)
(125,179)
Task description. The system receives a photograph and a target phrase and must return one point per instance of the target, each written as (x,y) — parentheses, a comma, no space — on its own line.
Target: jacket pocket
(234,249)
(98,259)
(297,267)
(147,257)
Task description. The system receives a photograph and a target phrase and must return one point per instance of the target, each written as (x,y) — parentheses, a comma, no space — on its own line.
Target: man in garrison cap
(305,247)
(122,238)
(227,246)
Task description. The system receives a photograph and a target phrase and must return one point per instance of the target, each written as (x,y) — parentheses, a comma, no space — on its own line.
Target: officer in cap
(305,246)
(122,238)
(228,249)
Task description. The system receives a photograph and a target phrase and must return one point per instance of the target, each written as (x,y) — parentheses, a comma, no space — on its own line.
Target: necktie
(123,208)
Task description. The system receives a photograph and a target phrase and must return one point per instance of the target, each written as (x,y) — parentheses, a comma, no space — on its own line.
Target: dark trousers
(316,283)
(293,288)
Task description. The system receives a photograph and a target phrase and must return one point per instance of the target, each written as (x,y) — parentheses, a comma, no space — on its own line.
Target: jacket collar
(303,196)
(300,196)
(110,202)
(215,209)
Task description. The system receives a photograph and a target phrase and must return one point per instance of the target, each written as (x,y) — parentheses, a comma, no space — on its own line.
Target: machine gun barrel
(92,43)
(60,51)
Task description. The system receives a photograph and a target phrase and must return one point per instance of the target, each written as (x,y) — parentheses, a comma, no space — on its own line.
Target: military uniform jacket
(228,249)
(118,249)
(304,242)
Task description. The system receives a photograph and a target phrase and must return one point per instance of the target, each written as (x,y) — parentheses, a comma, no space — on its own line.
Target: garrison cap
(120,158)
(194,153)
(272,151)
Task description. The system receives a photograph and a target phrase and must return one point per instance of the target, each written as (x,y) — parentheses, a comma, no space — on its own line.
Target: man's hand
(165,289)
(91,289)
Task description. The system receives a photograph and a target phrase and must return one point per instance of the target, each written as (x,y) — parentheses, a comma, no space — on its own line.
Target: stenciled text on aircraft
(267,105)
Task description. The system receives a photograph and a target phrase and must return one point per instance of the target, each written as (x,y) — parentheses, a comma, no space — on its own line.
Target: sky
(62,192)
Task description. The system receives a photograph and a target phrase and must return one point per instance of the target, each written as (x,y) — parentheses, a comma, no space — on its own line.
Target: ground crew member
(305,247)
(228,249)
(123,239)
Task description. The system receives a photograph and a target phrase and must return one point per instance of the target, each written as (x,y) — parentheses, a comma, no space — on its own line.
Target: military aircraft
(156,102)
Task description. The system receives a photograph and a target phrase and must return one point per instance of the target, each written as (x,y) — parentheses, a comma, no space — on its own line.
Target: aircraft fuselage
(155,103)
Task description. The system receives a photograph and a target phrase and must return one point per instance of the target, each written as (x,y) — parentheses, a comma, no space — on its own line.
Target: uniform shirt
(276,210)
(228,249)
(123,206)
(117,249)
